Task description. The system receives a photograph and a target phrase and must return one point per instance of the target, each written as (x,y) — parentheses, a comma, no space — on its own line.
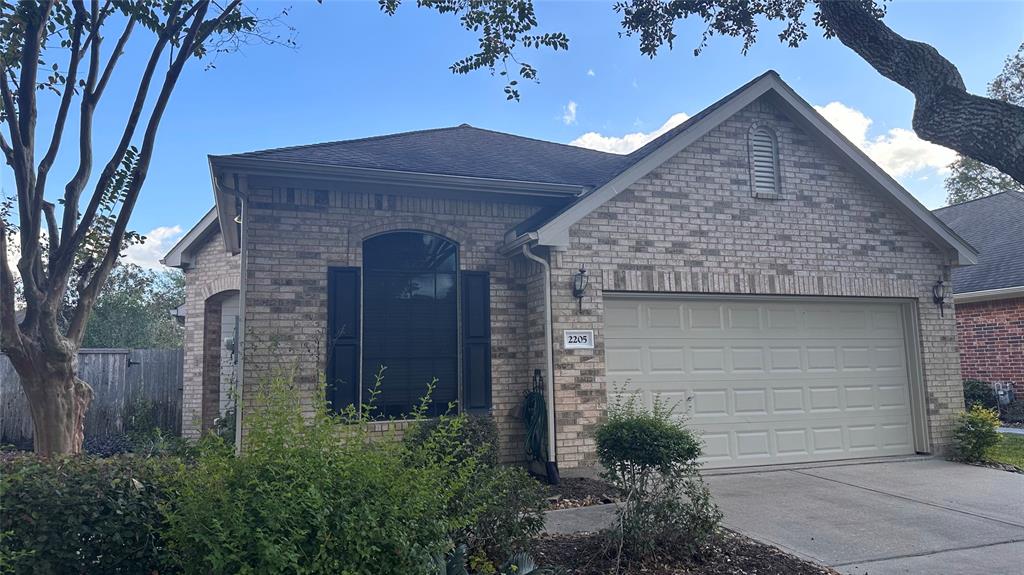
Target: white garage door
(769,381)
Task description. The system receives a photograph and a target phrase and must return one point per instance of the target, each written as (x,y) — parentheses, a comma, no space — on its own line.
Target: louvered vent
(763,159)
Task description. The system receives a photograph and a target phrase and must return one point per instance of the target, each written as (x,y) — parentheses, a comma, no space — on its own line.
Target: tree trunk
(58,401)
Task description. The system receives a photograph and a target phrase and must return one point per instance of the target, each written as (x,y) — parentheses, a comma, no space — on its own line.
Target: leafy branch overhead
(501,26)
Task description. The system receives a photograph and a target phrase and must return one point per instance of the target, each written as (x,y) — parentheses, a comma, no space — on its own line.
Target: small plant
(652,457)
(1014,413)
(976,433)
(977,392)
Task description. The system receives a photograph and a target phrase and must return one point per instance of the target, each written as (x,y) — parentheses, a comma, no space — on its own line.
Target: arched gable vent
(764,163)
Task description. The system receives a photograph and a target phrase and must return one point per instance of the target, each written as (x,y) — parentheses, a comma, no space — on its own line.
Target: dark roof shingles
(994,225)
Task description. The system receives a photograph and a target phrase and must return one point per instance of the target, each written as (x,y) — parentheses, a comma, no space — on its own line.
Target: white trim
(556,231)
(989,294)
(181,254)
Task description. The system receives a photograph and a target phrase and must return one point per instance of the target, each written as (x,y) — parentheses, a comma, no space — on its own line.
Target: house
(750,262)
(989,296)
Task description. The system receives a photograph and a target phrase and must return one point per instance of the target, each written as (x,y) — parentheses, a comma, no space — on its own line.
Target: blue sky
(357,72)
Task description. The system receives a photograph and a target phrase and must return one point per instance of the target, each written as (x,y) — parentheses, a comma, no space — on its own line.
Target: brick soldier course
(689,225)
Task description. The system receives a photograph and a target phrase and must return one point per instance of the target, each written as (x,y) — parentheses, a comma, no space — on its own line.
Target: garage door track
(907,516)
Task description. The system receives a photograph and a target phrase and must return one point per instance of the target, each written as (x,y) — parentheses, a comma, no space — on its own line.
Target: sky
(356,72)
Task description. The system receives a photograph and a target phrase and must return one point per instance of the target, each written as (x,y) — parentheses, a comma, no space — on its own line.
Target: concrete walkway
(1012,430)
(886,517)
(910,516)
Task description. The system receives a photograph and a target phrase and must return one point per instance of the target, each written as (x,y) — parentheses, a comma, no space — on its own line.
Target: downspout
(549,385)
(243,199)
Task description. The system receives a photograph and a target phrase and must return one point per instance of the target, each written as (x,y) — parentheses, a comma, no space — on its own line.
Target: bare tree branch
(65,104)
(87,296)
(10,335)
(114,56)
(985,129)
(51,225)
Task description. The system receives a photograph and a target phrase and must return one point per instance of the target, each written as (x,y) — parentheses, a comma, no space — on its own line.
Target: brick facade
(213,275)
(690,226)
(991,337)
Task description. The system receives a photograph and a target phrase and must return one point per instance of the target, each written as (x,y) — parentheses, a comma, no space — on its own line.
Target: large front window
(410,320)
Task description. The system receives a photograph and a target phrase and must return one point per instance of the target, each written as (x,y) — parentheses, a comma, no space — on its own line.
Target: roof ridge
(1014,194)
(546,141)
(363,139)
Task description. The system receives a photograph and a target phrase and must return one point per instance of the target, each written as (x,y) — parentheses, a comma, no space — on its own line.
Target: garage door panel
(769,382)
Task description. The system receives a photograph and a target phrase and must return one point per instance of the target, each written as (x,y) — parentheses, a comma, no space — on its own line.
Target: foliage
(976,433)
(320,493)
(476,436)
(134,310)
(970,179)
(506,503)
(1009,451)
(1014,413)
(502,25)
(83,514)
(652,457)
(977,392)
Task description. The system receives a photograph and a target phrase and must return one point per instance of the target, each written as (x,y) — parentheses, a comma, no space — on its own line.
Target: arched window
(410,320)
(764,163)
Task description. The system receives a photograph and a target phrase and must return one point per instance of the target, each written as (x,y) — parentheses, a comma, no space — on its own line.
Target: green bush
(652,457)
(474,436)
(506,503)
(83,514)
(1014,413)
(317,494)
(977,392)
(976,432)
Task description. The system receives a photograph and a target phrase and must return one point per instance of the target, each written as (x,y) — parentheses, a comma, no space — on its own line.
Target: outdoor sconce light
(940,293)
(579,285)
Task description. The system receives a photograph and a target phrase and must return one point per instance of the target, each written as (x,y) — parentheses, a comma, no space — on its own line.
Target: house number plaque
(579,339)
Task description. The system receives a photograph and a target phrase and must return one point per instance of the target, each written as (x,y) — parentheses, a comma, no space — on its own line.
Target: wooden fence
(124,381)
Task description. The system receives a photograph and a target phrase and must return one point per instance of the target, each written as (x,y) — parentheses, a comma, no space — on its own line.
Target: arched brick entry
(220,312)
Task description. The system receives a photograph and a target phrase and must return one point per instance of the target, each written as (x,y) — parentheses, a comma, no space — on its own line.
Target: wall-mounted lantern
(579,285)
(940,293)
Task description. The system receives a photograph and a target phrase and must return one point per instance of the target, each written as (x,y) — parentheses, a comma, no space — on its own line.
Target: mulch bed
(733,554)
(572,492)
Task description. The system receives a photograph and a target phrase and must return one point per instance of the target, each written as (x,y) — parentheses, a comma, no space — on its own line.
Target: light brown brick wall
(295,234)
(214,272)
(692,225)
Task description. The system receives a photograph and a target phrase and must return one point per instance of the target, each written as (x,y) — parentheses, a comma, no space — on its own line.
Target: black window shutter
(476,342)
(343,337)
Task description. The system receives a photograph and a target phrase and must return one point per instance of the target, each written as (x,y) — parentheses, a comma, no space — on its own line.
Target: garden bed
(573,492)
(731,554)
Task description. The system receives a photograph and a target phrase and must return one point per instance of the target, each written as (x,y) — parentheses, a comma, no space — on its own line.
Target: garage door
(769,381)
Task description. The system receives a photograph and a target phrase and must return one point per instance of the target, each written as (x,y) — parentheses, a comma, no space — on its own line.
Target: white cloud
(569,113)
(590,72)
(898,151)
(629,142)
(158,242)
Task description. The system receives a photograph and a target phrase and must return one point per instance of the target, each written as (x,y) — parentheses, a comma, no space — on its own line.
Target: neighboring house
(989,296)
(751,262)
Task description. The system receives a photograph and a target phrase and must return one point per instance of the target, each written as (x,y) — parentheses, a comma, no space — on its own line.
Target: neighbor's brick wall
(214,272)
(991,336)
(296,233)
(692,226)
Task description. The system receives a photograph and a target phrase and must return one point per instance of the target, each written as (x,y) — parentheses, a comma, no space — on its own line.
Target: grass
(1010,450)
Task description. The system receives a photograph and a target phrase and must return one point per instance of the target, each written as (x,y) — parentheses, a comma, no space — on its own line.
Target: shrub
(976,432)
(473,436)
(977,392)
(652,457)
(1014,413)
(317,494)
(83,514)
(506,503)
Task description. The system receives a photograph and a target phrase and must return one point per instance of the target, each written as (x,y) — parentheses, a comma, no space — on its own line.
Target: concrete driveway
(896,516)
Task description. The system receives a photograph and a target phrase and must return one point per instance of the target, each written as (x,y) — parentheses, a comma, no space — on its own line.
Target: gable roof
(181,254)
(555,231)
(995,225)
(457,151)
